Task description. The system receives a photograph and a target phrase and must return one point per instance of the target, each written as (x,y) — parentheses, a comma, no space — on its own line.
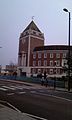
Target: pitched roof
(52,47)
(32,26)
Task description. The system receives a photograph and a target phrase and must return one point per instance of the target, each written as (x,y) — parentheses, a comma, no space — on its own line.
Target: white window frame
(45,62)
(33,70)
(39,62)
(64,55)
(34,63)
(57,55)
(51,63)
(34,55)
(39,54)
(51,71)
(45,55)
(57,63)
(51,55)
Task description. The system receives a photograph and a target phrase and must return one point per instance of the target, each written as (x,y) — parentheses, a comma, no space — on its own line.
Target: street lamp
(68,51)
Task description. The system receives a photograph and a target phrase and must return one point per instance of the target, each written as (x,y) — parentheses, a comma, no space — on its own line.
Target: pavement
(7,113)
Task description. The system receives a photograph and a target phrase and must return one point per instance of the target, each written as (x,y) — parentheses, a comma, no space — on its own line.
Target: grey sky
(15,15)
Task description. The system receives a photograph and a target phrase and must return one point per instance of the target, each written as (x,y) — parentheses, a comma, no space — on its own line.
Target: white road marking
(3,89)
(21,92)
(33,91)
(10,94)
(61,98)
(24,113)
(35,116)
(8,87)
(56,97)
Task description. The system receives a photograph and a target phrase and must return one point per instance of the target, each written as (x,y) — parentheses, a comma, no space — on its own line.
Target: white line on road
(8,87)
(61,98)
(21,92)
(33,91)
(24,113)
(35,116)
(10,94)
(56,97)
(3,89)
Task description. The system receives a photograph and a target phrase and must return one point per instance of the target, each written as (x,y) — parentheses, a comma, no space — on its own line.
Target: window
(39,63)
(51,71)
(64,55)
(34,32)
(45,55)
(33,71)
(39,55)
(57,55)
(58,71)
(51,55)
(45,62)
(34,55)
(51,63)
(57,63)
(34,63)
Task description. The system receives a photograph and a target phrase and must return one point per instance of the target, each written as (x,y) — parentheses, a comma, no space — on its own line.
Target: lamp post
(68,51)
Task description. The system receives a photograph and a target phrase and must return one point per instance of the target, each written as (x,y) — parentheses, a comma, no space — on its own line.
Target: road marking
(3,89)
(23,113)
(61,98)
(40,118)
(8,87)
(56,97)
(10,94)
(21,92)
(33,91)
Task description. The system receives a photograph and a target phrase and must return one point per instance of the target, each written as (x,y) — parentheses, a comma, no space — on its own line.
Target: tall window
(51,55)
(64,55)
(39,63)
(34,55)
(58,55)
(51,63)
(51,71)
(45,62)
(34,63)
(39,55)
(45,55)
(57,63)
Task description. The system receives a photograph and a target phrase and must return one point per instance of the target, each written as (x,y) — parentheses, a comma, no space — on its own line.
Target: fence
(53,83)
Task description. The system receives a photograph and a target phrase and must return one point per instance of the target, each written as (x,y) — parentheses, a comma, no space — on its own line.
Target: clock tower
(30,38)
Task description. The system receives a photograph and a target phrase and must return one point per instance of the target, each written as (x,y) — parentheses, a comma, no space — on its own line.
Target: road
(37,100)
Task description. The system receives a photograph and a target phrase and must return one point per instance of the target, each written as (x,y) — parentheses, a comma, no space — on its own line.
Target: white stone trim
(28,51)
(31,36)
(46,67)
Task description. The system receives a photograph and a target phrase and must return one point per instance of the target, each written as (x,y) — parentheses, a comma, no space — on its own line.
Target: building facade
(34,56)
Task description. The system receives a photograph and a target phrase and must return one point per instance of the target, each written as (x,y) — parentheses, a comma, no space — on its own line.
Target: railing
(54,83)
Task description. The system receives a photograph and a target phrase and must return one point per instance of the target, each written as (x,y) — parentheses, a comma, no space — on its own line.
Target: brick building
(34,56)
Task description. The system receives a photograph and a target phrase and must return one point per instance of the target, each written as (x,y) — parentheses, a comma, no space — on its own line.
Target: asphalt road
(37,100)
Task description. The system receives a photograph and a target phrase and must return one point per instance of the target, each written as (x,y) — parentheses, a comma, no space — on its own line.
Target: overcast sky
(15,15)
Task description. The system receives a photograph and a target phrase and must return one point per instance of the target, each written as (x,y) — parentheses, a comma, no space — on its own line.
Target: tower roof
(32,26)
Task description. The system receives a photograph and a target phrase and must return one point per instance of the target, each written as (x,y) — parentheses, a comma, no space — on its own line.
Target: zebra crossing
(18,89)
(15,89)
(6,88)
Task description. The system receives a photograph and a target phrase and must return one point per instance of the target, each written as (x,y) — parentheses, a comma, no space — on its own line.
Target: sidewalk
(6,113)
